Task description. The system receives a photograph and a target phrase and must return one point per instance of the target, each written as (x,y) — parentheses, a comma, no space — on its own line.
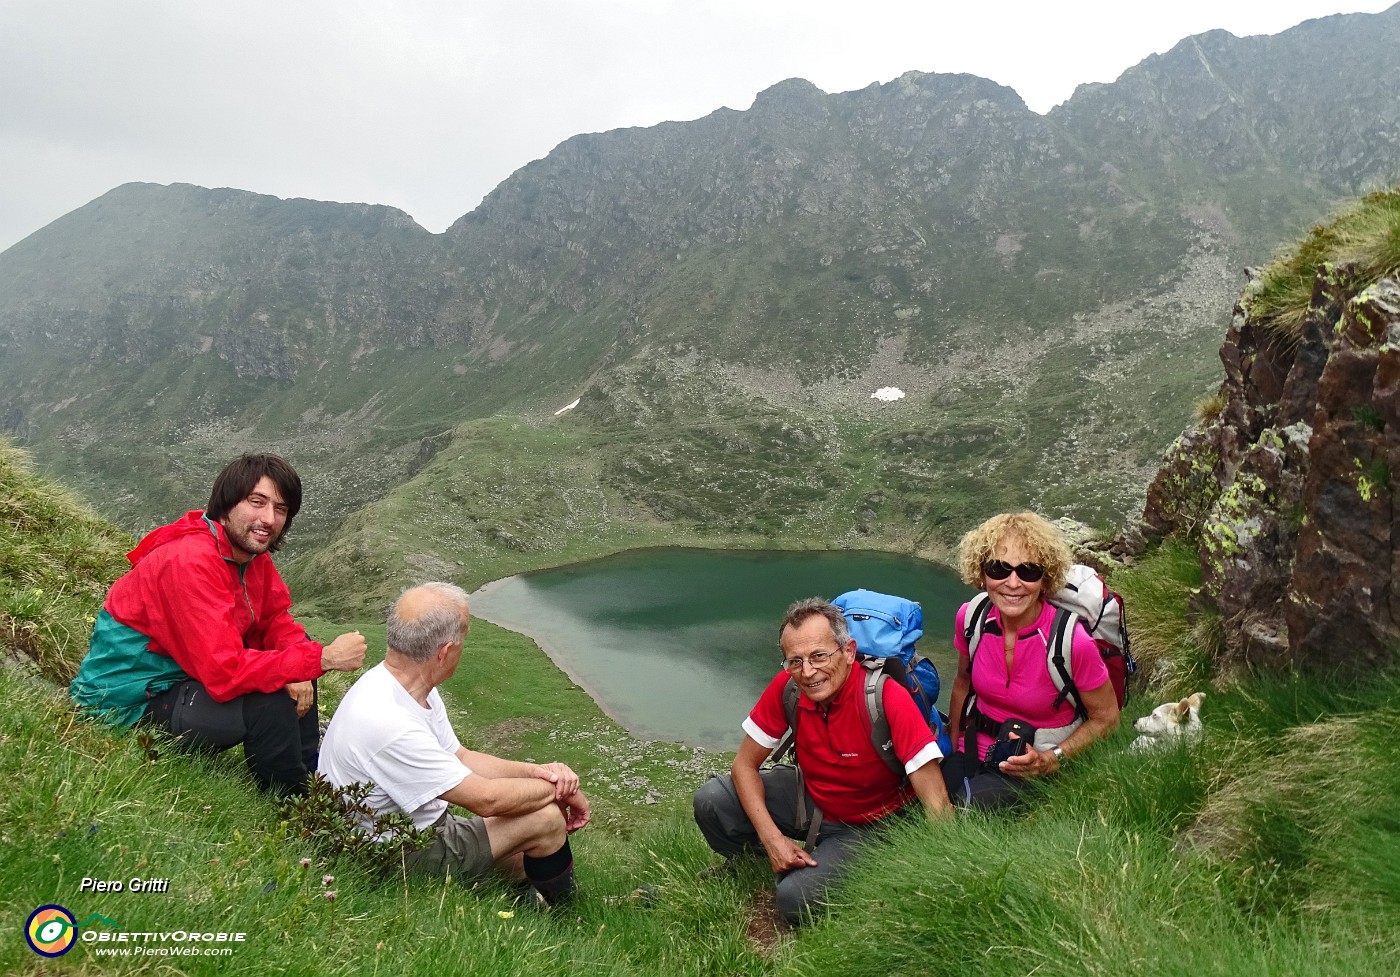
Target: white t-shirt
(381,735)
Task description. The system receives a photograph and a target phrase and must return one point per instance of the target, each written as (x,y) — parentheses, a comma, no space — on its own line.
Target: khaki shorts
(460,847)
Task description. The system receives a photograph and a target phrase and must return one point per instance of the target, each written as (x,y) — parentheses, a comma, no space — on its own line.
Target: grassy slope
(56,561)
(1365,235)
(665,456)
(1095,880)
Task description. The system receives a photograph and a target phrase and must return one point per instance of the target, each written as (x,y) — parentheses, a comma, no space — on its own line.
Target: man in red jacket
(197,637)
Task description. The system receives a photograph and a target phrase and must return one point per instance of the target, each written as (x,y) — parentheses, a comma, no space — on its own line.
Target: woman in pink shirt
(1010,721)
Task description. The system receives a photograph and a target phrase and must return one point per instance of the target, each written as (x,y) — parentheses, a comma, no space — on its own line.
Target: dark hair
(241,475)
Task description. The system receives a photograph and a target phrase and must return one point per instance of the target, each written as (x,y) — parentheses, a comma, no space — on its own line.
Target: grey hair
(807,607)
(419,638)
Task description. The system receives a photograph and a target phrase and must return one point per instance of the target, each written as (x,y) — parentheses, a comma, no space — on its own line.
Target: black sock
(553,874)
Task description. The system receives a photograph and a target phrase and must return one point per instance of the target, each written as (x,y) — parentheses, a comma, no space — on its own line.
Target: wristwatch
(1059,754)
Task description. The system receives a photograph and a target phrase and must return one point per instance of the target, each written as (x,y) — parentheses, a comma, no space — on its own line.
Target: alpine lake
(677,644)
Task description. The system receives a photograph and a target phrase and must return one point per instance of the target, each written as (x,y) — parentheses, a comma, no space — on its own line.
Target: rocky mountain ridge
(1025,278)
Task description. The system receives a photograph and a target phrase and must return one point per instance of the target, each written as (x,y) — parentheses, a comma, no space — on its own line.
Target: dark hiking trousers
(727,830)
(972,785)
(279,746)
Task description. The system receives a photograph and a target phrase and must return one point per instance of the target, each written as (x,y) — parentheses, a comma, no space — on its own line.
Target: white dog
(1170,724)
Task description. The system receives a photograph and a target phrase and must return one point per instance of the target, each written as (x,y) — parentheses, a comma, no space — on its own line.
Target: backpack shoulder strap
(976,621)
(1059,659)
(880,736)
(787,746)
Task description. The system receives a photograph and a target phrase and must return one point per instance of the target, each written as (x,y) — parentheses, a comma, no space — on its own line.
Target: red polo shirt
(844,774)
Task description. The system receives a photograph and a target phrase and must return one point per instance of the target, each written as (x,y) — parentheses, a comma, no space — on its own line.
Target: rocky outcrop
(1342,608)
(1288,488)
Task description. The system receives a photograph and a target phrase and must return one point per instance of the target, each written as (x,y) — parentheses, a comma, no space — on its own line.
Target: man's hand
(305,695)
(565,781)
(576,812)
(784,854)
(345,654)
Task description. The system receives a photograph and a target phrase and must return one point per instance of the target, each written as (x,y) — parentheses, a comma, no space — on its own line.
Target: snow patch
(888,394)
(575,404)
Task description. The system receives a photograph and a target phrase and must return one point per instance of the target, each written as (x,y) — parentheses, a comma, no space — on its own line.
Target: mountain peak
(788,94)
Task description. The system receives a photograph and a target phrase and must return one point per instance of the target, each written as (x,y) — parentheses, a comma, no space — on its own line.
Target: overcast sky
(427,105)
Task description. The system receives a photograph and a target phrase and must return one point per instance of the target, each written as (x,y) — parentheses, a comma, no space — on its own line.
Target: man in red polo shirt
(844,778)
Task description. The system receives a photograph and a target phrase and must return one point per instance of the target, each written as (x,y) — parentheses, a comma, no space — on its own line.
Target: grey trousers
(727,830)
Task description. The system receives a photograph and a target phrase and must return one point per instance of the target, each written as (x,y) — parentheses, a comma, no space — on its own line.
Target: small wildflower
(306,863)
(505,914)
(327,879)
(90,619)
(330,895)
(38,592)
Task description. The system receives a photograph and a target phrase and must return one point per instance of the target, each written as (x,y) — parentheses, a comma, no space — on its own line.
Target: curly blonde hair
(1043,543)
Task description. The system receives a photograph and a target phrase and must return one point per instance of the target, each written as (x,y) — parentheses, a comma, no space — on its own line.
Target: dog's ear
(1181,710)
(1195,699)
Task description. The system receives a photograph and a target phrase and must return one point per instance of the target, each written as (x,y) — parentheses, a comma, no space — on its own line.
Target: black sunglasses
(1000,570)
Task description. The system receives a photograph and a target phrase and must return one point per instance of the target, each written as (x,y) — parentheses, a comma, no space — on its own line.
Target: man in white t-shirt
(391,730)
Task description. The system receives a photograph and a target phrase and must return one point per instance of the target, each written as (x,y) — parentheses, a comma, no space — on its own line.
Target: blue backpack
(886,629)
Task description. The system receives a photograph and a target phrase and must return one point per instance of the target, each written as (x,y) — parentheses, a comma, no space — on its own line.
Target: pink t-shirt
(1028,692)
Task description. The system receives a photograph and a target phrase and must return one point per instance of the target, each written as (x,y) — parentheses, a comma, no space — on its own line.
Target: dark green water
(677,644)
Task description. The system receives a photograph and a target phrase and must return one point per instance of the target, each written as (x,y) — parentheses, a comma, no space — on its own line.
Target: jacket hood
(191,522)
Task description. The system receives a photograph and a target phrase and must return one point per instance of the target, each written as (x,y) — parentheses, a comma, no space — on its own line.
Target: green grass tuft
(1365,236)
(1157,594)
(1208,408)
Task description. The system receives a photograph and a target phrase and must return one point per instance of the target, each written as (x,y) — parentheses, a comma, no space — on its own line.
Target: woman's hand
(1102,705)
(1032,763)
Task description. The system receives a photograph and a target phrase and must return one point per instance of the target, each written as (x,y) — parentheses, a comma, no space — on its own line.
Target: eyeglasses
(1000,570)
(816,659)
